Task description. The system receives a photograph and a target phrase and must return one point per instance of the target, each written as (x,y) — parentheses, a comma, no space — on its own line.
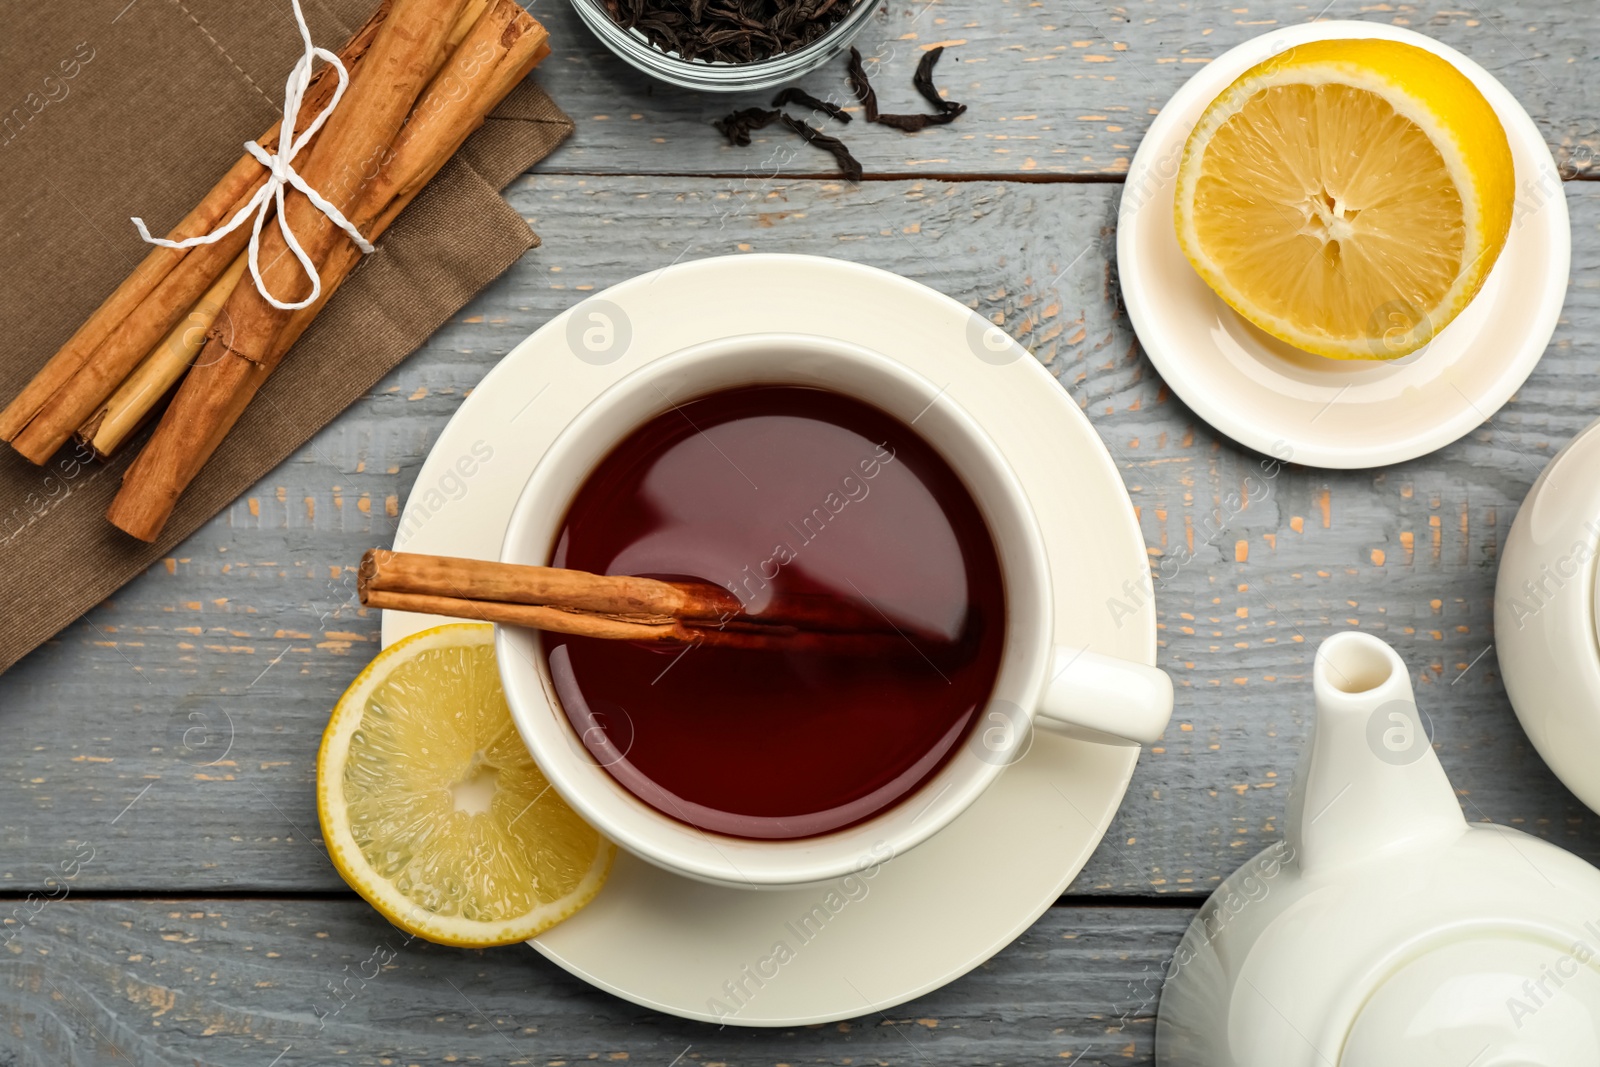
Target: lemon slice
(433,810)
(1348,197)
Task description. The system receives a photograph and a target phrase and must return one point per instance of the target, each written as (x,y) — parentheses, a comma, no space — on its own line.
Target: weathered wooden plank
(197,695)
(1052,88)
(322,981)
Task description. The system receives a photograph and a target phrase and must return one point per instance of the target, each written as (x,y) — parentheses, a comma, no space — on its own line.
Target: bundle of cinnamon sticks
(190,324)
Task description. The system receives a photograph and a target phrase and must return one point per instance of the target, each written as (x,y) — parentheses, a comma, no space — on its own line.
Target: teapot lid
(1489,1000)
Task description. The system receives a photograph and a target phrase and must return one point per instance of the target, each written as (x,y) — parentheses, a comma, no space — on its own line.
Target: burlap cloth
(110,109)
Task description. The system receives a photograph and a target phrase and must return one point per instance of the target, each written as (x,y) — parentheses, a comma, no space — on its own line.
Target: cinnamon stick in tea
(403,56)
(699,604)
(611,607)
(236,188)
(581,624)
(531,616)
(605,594)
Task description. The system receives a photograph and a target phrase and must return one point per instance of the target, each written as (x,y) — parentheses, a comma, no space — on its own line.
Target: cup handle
(1103,698)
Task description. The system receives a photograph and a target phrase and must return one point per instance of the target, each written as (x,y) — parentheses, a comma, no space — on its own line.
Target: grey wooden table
(164,747)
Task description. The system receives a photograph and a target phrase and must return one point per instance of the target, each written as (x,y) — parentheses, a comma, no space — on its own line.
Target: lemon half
(1347,196)
(433,810)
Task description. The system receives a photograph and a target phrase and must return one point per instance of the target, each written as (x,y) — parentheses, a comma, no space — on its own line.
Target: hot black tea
(778,492)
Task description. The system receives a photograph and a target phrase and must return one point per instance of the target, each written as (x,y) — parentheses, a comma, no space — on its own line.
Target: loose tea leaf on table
(796,95)
(856,73)
(738,126)
(922,80)
(849,166)
(728,31)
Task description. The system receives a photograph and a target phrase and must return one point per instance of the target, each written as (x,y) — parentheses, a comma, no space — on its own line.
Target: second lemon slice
(1347,196)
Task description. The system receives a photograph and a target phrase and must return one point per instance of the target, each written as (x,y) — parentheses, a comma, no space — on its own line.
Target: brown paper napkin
(119,109)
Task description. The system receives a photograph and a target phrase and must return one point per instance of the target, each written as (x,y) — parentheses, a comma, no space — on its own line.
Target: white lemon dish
(1281,400)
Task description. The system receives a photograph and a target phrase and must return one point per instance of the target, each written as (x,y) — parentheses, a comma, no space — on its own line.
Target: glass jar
(719,77)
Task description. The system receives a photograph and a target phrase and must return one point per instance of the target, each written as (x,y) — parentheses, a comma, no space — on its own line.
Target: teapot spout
(1368,778)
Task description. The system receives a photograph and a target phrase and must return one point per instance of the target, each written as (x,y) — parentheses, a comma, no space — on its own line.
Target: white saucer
(936,912)
(1334,413)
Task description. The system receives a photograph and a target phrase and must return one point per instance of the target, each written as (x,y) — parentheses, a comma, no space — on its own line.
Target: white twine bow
(281,173)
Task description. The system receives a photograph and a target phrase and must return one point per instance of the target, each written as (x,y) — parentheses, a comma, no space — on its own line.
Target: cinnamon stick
(472,81)
(609,607)
(697,605)
(74,404)
(464,22)
(472,579)
(530,616)
(578,624)
(236,188)
(124,299)
(162,311)
(403,56)
(454,105)
(154,378)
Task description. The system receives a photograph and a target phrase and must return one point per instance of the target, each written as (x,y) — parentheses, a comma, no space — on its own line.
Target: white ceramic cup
(1097,697)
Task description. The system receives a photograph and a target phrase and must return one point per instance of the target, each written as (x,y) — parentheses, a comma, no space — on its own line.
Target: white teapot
(1386,931)
(1545,615)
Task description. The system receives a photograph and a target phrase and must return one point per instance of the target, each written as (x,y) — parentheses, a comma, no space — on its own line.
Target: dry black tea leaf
(912,123)
(728,31)
(862,87)
(741,123)
(738,126)
(922,80)
(849,166)
(796,95)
